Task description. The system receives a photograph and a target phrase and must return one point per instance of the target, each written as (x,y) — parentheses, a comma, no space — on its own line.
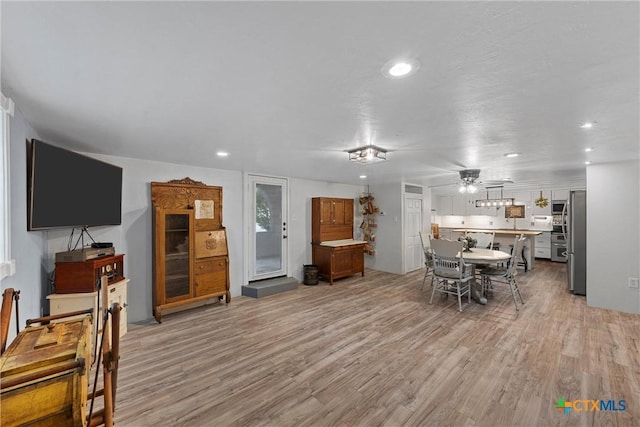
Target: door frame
(250,179)
(407,196)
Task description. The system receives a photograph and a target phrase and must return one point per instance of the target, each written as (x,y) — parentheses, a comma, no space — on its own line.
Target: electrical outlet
(633,282)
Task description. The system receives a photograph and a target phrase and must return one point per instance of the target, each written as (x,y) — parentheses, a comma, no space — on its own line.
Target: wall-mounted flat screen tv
(66,189)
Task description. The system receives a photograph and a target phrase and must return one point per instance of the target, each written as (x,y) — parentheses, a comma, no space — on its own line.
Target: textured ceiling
(287,87)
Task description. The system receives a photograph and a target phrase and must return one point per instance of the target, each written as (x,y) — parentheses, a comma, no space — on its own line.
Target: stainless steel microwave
(557,206)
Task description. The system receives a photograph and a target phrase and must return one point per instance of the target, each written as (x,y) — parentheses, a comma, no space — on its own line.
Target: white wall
(27,248)
(613,235)
(389,237)
(34,251)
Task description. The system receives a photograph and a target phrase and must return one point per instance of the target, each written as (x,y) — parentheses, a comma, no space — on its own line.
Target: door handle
(284,236)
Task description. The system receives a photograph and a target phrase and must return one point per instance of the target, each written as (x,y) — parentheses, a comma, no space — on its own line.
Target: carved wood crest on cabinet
(183,194)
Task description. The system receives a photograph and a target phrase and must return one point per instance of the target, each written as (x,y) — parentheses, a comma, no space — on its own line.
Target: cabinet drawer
(211,276)
(210,265)
(543,253)
(543,240)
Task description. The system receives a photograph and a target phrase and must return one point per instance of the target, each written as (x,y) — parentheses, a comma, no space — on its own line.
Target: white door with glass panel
(268,227)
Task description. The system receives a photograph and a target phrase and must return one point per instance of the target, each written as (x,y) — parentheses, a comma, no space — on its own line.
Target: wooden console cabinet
(84,276)
(333,249)
(191,262)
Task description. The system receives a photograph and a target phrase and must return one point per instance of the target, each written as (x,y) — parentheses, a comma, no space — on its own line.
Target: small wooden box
(74,277)
(211,243)
(45,375)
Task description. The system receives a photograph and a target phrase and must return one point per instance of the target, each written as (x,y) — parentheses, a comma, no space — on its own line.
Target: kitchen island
(509,235)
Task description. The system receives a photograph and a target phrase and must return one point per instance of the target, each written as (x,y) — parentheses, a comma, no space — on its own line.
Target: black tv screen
(67,189)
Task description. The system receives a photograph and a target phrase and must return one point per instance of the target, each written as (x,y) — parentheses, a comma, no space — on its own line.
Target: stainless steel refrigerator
(576,238)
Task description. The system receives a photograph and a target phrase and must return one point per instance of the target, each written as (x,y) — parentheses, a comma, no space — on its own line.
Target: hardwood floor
(372,351)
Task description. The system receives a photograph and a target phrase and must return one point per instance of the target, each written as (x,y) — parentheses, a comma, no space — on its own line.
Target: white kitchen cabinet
(537,210)
(524,198)
(471,205)
(543,245)
(560,194)
(459,205)
(445,205)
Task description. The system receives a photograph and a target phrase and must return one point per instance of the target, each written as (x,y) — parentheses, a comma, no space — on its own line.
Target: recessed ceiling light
(587,162)
(363,176)
(588,125)
(222,154)
(396,69)
(512,154)
(588,149)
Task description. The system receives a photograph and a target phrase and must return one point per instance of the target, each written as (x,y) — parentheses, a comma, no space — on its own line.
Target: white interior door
(267,227)
(412,226)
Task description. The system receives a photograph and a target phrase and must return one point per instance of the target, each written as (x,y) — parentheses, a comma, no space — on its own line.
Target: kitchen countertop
(500,231)
(344,242)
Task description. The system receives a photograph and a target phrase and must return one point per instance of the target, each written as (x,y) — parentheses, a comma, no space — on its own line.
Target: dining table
(480,256)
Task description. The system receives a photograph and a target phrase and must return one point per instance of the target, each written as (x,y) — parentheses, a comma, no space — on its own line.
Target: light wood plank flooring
(372,351)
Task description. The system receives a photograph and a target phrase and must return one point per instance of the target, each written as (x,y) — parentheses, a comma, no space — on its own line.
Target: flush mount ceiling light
(363,176)
(588,125)
(367,154)
(512,154)
(588,149)
(468,178)
(397,69)
(222,154)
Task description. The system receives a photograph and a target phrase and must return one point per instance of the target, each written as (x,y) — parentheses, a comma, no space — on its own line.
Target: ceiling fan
(469,181)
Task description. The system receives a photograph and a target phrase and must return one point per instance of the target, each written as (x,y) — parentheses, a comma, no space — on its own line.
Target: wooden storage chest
(44,375)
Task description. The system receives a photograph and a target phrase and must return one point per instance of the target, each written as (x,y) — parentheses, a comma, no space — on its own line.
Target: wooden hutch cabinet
(191,262)
(333,249)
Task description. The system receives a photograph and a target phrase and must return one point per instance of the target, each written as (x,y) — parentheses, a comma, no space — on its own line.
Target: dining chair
(428,258)
(494,277)
(452,276)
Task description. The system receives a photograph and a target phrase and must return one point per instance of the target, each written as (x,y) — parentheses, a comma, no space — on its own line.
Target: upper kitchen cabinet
(459,205)
(539,198)
(444,205)
(334,216)
(522,198)
(471,208)
(560,194)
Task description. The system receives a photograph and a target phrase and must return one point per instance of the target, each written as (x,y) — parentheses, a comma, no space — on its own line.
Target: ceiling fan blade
(496,183)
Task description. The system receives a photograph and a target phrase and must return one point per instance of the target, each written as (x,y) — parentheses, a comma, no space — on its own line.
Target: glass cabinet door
(177,253)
